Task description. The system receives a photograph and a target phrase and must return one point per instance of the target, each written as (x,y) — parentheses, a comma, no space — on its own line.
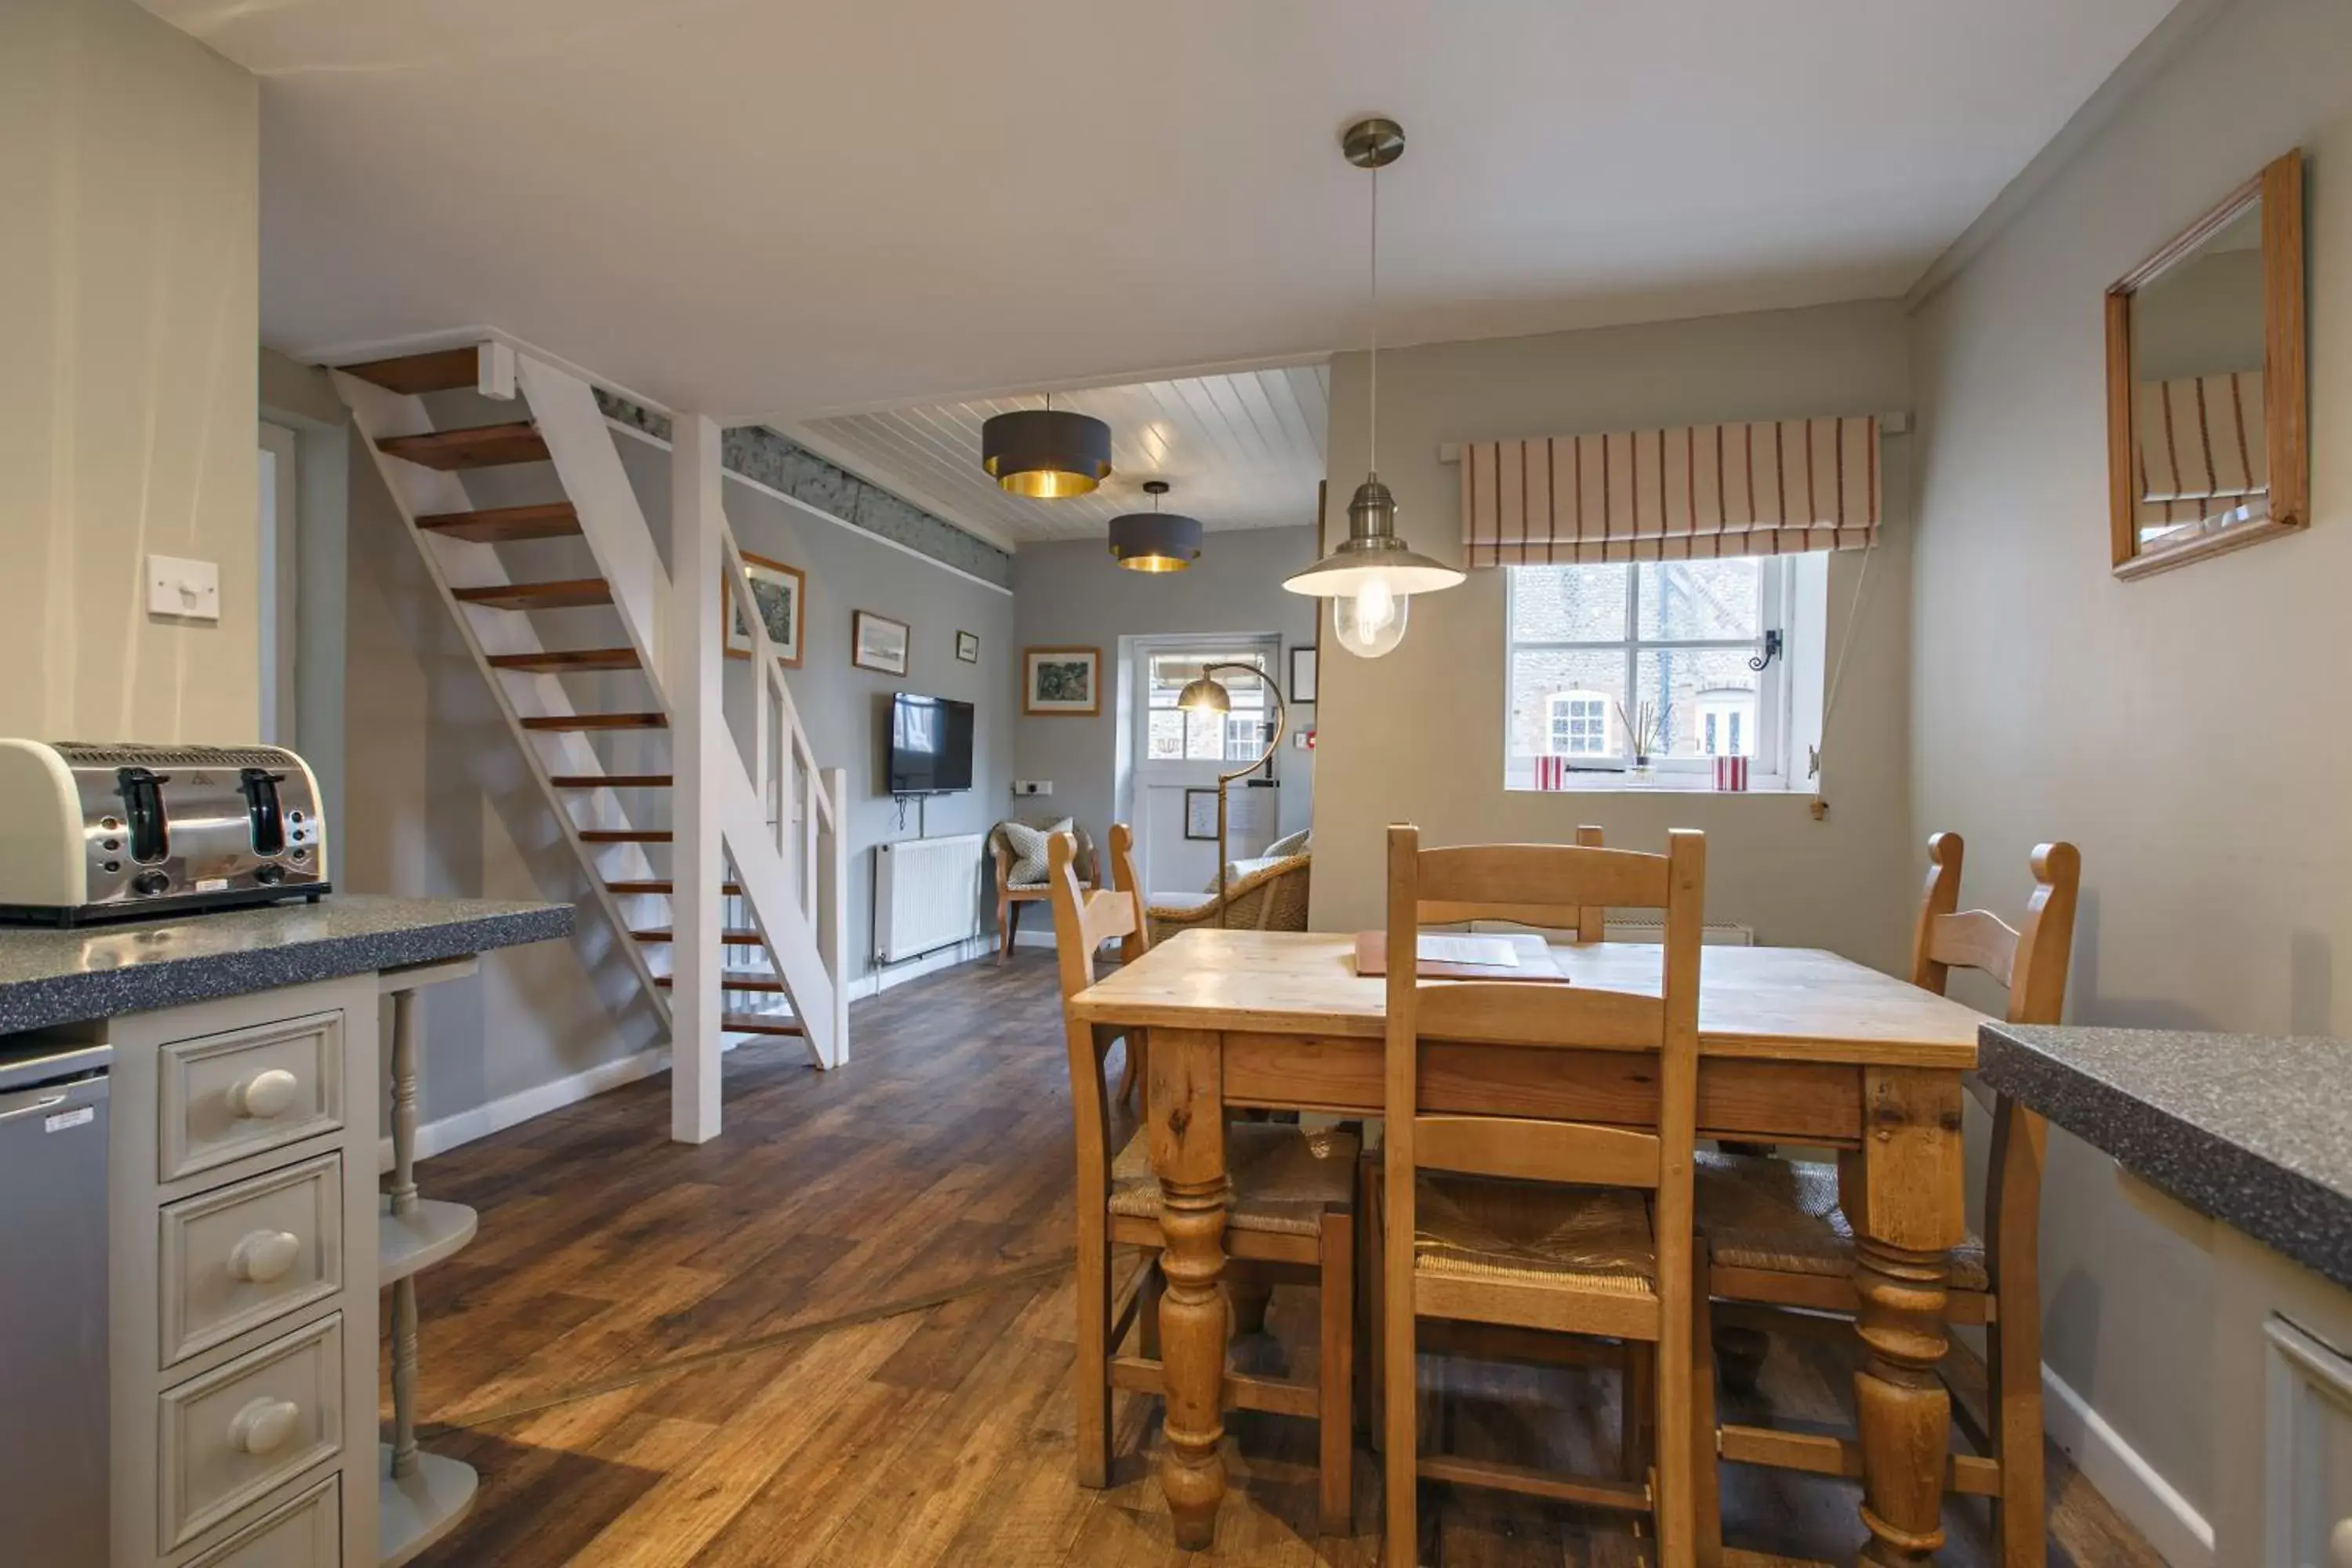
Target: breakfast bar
(192,1108)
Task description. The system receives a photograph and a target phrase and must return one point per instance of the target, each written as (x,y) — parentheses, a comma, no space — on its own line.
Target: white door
(1179,756)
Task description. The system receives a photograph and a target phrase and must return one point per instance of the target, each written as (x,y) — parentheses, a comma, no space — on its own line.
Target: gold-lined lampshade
(1045,453)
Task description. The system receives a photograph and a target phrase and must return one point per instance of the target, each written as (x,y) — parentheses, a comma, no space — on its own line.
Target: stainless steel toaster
(122,831)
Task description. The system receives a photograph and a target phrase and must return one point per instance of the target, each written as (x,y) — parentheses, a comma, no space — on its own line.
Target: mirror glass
(2199,451)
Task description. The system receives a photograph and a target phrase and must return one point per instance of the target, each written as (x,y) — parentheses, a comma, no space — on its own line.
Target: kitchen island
(2243,1145)
(242,1111)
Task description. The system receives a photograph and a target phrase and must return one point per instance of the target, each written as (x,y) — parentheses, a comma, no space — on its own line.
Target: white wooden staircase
(611,684)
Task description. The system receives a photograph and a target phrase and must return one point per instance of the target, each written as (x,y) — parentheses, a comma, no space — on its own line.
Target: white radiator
(926,895)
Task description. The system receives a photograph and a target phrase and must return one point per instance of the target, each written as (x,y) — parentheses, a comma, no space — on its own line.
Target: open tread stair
(506,524)
(551,723)
(624,836)
(759,1024)
(563,660)
(438,369)
(611,781)
(748,980)
(734,936)
(473,447)
(663,888)
(569,594)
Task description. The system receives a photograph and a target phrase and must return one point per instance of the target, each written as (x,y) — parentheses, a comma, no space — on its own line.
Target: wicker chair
(1012,895)
(1269,895)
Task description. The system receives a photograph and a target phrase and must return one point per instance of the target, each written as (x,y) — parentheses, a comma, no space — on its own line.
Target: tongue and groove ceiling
(803,213)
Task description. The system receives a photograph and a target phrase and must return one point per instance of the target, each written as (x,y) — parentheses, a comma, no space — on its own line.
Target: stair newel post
(833,930)
(697,729)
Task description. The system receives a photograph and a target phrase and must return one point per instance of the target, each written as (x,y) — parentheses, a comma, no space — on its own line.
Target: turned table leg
(1186,1112)
(1903,1191)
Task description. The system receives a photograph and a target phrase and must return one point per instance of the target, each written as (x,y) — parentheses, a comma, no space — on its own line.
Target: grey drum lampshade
(1048,453)
(1155,540)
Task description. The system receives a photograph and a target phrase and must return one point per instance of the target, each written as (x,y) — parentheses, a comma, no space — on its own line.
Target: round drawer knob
(263,1426)
(265,1094)
(262,1256)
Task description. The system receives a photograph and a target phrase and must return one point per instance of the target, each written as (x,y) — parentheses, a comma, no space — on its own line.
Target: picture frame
(781,592)
(968,646)
(1303,662)
(878,643)
(1061,681)
(1201,815)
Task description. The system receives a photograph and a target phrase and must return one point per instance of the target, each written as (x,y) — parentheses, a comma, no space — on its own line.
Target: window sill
(1664,784)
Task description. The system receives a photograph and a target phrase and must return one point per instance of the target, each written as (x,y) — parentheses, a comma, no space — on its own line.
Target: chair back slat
(2029,959)
(1537,1014)
(1535,884)
(1591,919)
(1084,920)
(1528,1150)
(1124,879)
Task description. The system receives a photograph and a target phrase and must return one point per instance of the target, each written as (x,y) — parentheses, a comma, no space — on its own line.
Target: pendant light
(1371,577)
(1046,452)
(1155,540)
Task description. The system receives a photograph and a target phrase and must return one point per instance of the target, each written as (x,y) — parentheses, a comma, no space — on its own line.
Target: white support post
(832,931)
(698,731)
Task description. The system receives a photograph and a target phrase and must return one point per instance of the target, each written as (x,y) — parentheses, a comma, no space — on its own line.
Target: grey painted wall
(1074,594)
(2173,727)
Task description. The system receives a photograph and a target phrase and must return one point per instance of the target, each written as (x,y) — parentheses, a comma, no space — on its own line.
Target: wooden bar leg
(403,1378)
(1008,920)
(1706,1538)
(1335,1377)
(2013,1339)
(404,1200)
(1904,1191)
(1188,1151)
(1090,1378)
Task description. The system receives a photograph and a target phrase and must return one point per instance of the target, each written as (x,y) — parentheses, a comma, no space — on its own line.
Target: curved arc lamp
(1207,695)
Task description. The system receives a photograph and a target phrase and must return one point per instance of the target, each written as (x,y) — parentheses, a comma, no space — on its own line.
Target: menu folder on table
(1454,956)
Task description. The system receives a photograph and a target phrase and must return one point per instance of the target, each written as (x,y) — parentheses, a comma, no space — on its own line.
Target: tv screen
(930,744)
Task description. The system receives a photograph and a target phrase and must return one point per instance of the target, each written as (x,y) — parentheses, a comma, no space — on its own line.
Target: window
(1596,652)
(1171,735)
(1579,724)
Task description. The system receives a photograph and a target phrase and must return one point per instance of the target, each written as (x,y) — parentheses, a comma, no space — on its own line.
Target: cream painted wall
(2185,731)
(1418,736)
(128,247)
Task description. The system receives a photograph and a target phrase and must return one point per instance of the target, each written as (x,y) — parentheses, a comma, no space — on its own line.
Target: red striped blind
(1778,488)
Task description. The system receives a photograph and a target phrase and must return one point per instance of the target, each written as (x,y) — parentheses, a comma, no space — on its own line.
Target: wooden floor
(841,1335)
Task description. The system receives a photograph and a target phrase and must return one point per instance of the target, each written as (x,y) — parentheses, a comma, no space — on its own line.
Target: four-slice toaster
(123,831)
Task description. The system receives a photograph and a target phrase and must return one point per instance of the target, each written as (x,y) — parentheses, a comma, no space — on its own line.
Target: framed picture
(877,642)
(1200,814)
(1302,674)
(781,592)
(968,646)
(1061,680)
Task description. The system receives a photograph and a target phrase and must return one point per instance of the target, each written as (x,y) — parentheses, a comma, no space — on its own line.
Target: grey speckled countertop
(99,972)
(2256,1131)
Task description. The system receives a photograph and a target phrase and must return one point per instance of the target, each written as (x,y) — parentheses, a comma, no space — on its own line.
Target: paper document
(1493,951)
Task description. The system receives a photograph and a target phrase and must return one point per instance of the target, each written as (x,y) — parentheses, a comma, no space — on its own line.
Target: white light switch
(187,589)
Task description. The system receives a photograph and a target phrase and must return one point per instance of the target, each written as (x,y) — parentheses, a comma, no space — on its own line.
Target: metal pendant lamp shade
(1046,452)
(1155,540)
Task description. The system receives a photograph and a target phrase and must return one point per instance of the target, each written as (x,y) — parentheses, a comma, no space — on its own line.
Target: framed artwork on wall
(1061,680)
(877,642)
(1303,661)
(968,646)
(780,595)
(1200,814)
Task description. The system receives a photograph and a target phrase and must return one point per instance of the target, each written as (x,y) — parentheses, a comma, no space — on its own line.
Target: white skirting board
(882,979)
(2179,1534)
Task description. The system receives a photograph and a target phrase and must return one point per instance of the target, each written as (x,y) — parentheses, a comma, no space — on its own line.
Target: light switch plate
(1033,786)
(189,590)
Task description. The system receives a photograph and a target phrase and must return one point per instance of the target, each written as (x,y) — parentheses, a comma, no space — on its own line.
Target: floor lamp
(1206,696)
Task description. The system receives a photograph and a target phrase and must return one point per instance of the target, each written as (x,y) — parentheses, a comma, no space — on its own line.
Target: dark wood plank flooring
(841,1335)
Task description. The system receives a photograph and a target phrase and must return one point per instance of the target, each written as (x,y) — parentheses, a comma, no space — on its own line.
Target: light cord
(1837,671)
(1375,464)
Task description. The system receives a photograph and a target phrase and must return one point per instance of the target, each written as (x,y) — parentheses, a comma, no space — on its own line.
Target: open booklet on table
(1445,955)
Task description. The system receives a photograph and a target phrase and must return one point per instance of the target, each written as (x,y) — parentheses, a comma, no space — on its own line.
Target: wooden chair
(1130,947)
(1291,1216)
(1778,1238)
(1538,1224)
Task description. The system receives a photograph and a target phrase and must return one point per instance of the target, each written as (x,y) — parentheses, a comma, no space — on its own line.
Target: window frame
(1776,588)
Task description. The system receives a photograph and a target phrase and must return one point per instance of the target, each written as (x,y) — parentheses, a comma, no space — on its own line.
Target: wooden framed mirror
(2207,424)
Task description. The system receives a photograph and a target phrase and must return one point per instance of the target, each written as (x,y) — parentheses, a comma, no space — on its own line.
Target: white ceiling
(778,211)
(1240,450)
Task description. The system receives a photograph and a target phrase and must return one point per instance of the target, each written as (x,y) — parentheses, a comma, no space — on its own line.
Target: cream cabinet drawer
(237,1257)
(227,1437)
(249,1091)
(306,1534)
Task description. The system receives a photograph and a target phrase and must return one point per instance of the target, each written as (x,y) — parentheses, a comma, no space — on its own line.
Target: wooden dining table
(1797,1046)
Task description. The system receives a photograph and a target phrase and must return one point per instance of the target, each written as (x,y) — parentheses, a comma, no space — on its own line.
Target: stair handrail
(785,762)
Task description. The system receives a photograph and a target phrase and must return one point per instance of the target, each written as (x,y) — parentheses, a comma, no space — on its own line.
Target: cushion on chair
(1782,1216)
(1471,1227)
(1027,846)
(1280,1177)
(1289,844)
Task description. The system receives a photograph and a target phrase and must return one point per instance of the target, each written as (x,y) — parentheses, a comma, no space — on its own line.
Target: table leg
(1188,1152)
(1904,1193)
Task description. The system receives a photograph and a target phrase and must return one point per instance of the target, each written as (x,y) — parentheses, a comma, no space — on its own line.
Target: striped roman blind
(2202,445)
(1778,487)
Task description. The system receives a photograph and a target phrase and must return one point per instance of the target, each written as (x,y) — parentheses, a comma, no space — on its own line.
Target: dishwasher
(53,1313)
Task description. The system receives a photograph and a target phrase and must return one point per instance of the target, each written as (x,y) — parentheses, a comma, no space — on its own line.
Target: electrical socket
(1033,786)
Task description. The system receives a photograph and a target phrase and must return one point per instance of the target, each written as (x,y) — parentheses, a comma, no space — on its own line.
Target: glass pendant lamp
(1371,577)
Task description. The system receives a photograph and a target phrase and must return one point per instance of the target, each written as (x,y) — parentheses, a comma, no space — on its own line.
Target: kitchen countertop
(50,977)
(2254,1131)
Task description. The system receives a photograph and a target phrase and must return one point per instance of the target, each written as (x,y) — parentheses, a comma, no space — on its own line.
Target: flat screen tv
(930,744)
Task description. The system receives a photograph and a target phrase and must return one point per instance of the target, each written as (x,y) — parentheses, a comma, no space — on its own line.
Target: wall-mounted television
(930,744)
